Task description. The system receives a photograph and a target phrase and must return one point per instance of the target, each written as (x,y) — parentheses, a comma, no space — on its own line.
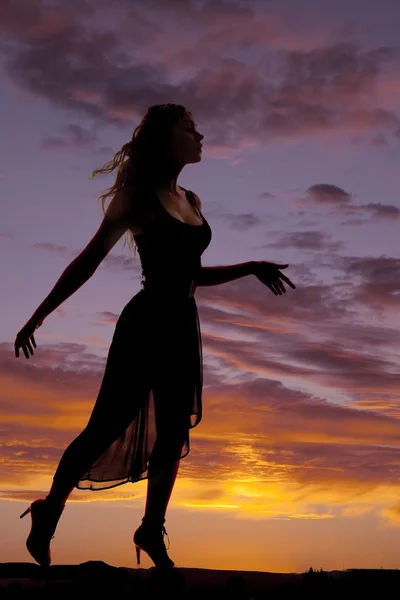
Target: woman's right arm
(112,228)
(115,223)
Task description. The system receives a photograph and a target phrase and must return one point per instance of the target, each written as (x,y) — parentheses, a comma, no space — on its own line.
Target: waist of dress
(170,289)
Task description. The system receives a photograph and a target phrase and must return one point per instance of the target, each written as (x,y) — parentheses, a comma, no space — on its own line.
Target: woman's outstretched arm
(218,275)
(112,228)
(72,278)
(267,272)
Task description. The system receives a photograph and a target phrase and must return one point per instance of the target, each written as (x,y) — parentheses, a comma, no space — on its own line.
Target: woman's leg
(121,397)
(77,459)
(163,469)
(170,402)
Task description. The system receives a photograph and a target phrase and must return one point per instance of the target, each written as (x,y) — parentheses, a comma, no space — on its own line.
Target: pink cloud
(34,21)
(304,92)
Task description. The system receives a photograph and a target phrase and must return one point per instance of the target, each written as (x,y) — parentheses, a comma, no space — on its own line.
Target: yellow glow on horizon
(203,505)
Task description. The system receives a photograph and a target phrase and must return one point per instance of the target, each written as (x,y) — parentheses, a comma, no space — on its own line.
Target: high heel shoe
(45,517)
(150,538)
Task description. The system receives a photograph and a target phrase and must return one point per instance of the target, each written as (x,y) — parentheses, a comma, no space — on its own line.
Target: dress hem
(127,480)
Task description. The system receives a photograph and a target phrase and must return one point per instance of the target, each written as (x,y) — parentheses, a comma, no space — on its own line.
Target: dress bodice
(170,250)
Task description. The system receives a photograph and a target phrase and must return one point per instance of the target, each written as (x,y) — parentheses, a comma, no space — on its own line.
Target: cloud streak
(77,61)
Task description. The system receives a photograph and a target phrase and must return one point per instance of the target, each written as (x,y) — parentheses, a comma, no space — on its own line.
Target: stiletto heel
(45,517)
(149,537)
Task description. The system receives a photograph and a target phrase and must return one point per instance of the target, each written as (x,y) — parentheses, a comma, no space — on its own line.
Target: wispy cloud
(75,59)
(6,235)
(76,137)
(53,248)
(327,193)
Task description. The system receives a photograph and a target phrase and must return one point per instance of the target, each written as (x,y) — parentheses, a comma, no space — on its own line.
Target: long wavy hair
(144,155)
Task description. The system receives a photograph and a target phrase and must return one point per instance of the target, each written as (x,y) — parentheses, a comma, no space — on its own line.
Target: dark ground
(96,578)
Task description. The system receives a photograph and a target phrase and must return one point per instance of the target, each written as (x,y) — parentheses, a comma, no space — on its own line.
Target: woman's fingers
(278,287)
(25,340)
(273,279)
(25,346)
(17,346)
(281,286)
(275,289)
(27,349)
(287,281)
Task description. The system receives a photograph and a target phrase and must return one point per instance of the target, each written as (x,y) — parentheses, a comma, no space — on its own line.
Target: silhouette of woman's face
(186,141)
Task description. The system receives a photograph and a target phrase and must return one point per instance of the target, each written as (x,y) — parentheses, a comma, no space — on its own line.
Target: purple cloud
(327,193)
(78,63)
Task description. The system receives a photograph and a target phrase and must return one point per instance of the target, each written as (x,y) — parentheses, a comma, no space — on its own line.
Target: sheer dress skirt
(152,386)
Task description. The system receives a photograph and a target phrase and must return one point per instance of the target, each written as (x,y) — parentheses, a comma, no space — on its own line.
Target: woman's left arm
(268,273)
(218,275)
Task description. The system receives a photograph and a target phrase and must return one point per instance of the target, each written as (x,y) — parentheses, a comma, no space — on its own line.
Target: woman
(151,392)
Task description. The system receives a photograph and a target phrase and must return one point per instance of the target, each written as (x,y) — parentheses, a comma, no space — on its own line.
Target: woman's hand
(25,337)
(269,274)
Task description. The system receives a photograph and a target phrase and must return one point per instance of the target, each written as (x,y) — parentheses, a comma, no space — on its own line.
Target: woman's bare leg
(76,460)
(163,470)
(160,484)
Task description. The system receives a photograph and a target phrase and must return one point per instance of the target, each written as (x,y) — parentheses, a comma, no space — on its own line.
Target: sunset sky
(296,462)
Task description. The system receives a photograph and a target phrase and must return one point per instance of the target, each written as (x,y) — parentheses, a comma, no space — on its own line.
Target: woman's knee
(97,438)
(169,447)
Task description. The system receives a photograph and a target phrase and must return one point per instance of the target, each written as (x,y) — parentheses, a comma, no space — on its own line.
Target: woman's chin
(196,159)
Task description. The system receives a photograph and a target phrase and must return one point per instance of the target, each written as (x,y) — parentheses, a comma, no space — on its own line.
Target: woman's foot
(45,517)
(149,537)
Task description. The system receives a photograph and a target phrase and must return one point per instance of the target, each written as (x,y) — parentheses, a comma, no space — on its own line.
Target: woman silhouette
(151,392)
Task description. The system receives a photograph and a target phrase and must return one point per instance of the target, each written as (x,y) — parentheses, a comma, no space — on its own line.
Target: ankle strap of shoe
(152,523)
(156,526)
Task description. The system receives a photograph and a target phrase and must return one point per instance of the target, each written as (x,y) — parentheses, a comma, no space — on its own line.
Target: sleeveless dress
(153,379)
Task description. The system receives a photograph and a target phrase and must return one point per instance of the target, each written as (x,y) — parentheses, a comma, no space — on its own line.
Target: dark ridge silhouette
(28,580)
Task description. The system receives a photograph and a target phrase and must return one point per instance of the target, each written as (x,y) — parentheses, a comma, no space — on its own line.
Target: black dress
(152,384)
